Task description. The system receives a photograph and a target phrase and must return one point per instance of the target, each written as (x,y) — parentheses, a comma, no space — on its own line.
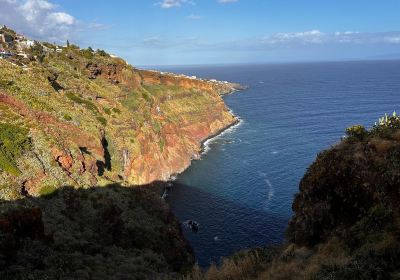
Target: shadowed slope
(97,233)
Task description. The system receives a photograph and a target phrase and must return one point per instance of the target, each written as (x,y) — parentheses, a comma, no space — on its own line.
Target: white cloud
(37,18)
(393,39)
(318,37)
(42,20)
(193,17)
(167,4)
(313,36)
(61,18)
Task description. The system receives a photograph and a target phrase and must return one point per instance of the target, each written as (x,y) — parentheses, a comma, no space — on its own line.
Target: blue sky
(156,32)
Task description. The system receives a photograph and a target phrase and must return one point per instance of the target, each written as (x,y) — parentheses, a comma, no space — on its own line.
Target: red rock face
(63,158)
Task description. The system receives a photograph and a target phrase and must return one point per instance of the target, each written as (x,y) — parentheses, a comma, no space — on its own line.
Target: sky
(179,32)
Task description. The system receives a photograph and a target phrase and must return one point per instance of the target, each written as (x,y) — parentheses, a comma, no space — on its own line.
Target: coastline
(203,143)
(203,147)
(218,133)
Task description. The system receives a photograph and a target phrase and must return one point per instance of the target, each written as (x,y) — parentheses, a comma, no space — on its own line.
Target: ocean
(241,190)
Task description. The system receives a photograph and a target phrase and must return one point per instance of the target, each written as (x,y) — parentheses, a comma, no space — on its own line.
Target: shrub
(87,53)
(132,101)
(385,125)
(107,111)
(102,53)
(13,142)
(67,117)
(116,110)
(102,120)
(88,104)
(356,132)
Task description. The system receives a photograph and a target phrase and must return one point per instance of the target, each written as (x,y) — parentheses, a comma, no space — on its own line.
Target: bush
(67,117)
(14,141)
(102,53)
(87,53)
(356,132)
(88,104)
(116,110)
(385,125)
(102,120)
(107,111)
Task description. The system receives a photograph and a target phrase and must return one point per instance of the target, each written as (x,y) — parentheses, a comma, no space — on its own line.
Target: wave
(206,144)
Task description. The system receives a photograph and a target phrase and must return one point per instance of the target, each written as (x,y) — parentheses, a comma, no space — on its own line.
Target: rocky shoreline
(218,133)
(203,143)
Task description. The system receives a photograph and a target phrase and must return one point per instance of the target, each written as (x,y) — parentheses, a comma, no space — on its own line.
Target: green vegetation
(356,132)
(67,117)
(116,110)
(102,120)
(147,96)
(132,101)
(102,53)
(107,233)
(88,104)
(107,111)
(87,53)
(47,190)
(14,141)
(384,128)
(161,143)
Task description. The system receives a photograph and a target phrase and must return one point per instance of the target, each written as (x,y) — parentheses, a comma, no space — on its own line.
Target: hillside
(97,233)
(80,117)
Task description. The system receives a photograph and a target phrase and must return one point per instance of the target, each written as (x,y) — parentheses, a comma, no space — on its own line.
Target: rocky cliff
(86,118)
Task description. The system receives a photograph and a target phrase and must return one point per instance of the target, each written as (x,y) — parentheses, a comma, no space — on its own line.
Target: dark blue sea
(242,189)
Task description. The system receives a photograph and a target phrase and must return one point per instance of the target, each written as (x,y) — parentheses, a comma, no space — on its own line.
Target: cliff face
(87,119)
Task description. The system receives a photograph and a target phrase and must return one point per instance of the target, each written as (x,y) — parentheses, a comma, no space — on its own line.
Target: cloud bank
(39,19)
(314,37)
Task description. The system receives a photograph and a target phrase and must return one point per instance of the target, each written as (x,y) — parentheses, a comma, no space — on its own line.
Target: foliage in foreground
(98,233)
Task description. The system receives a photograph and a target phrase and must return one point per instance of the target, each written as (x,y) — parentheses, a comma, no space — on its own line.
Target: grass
(47,190)
(132,101)
(14,141)
(88,104)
